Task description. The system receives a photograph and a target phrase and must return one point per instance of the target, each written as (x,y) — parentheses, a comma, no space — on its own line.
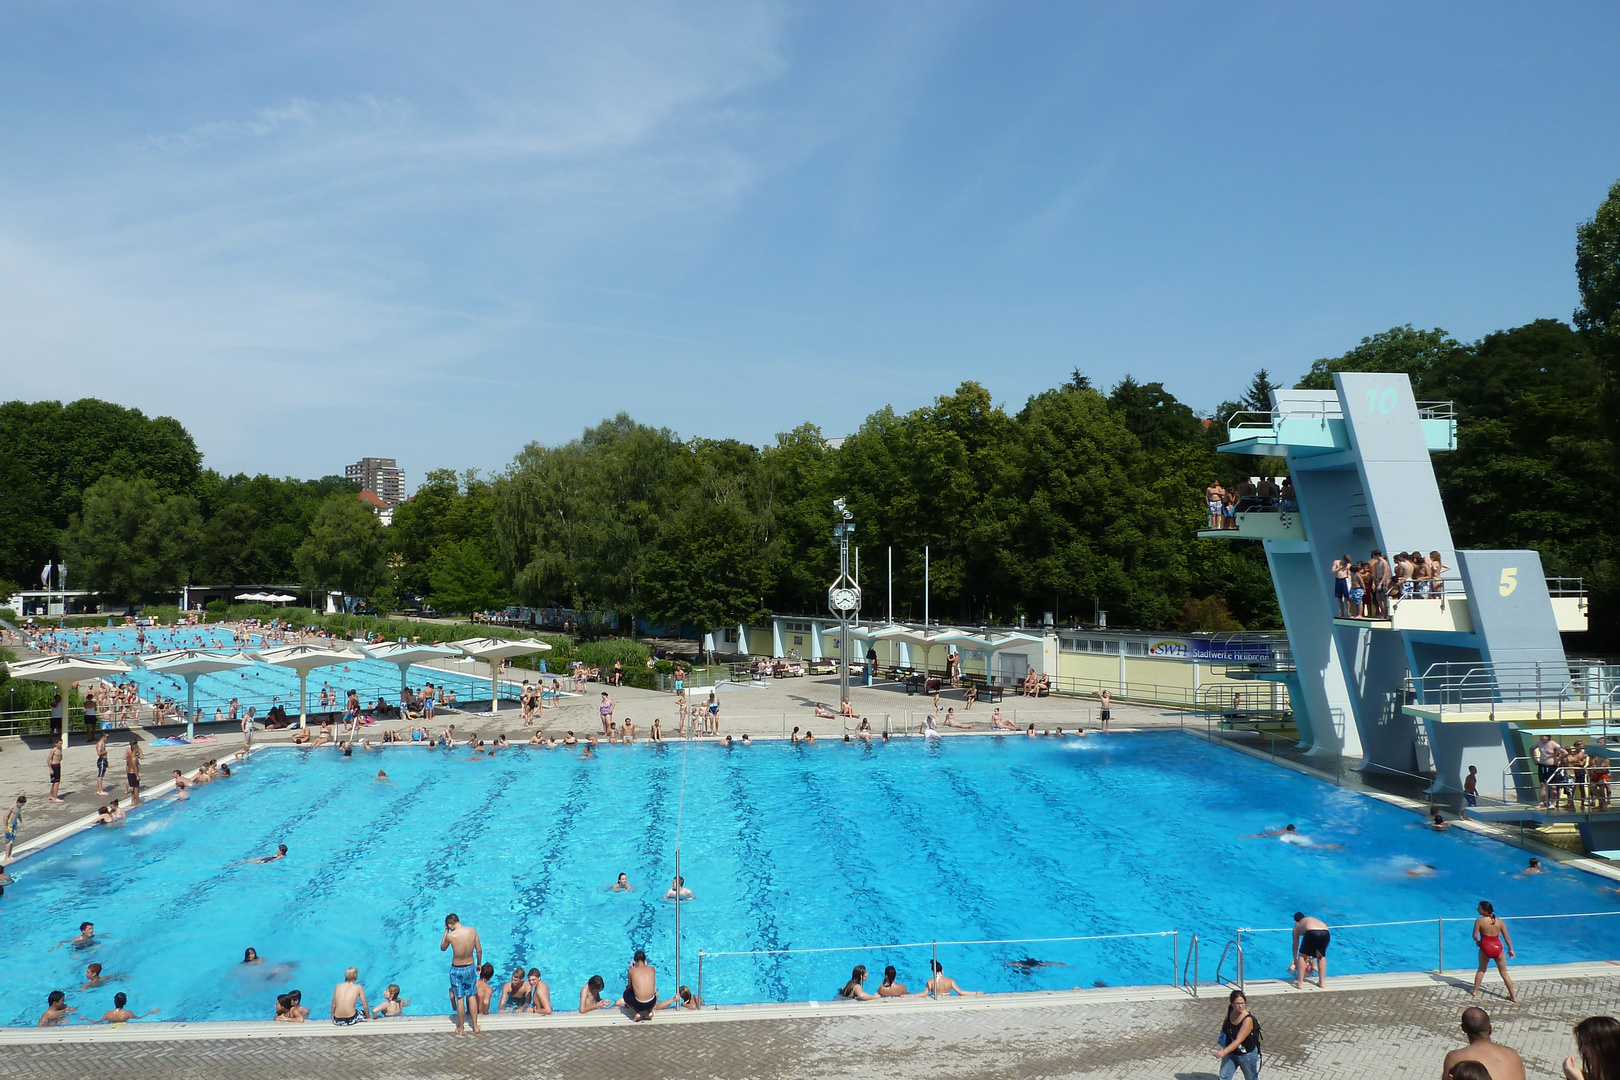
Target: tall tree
(345,550)
(710,565)
(1597,274)
(447,508)
(462,577)
(1402,349)
(53,453)
(576,523)
(132,542)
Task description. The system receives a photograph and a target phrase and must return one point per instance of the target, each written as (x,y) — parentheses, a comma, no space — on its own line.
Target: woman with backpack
(1240,1040)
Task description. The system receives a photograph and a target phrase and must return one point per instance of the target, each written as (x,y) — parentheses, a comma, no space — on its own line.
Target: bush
(627,651)
(217,607)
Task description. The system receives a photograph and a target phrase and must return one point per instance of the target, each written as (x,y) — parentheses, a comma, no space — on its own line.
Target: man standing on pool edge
(467,952)
(1311,938)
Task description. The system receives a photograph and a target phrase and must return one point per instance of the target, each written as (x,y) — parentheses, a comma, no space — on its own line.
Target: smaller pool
(264,684)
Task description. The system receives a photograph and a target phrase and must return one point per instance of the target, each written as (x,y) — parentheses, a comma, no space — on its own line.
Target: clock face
(844,599)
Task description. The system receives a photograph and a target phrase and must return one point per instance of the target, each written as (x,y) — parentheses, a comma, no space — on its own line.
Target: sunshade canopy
(495,650)
(405,653)
(303,659)
(190,664)
(65,670)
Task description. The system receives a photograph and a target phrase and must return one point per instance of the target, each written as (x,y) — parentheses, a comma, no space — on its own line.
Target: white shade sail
(405,653)
(495,650)
(190,664)
(64,671)
(303,659)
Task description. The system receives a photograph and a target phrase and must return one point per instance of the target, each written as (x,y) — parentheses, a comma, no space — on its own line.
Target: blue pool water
(262,683)
(784,846)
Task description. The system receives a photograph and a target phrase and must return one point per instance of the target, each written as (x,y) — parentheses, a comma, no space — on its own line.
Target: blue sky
(437,232)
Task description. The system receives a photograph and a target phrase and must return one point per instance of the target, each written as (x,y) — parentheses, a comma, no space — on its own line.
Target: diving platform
(1269,524)
(1466,677)
(1451,612)
(1322,429)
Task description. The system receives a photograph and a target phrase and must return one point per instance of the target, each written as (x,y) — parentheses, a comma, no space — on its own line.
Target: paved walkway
(1346,1034)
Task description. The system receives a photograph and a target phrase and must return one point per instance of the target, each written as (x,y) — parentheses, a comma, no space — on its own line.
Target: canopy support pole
(66,690)
(191,707)
(303,680)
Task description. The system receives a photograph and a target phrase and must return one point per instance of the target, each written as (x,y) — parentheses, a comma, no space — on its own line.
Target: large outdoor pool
(785,847)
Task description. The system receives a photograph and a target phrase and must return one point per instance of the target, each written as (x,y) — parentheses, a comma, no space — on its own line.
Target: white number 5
(1510,580)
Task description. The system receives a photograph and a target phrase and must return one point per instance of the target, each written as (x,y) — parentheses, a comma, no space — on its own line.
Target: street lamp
(844,597)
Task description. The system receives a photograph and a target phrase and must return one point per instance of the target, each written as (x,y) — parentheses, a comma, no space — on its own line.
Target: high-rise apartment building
(379,475)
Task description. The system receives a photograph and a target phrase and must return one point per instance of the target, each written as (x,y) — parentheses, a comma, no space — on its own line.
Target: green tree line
(1081,499)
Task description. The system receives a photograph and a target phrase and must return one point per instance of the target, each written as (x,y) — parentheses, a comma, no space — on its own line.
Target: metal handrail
(1235,943)
(1192,962)
(1329,409)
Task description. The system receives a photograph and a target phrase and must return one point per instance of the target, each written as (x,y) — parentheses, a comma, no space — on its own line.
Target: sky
(318,232)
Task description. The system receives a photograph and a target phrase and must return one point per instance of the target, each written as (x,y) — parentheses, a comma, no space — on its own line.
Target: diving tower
(1438,682)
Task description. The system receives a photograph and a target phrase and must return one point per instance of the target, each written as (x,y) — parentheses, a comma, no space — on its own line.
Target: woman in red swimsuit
(1490,934)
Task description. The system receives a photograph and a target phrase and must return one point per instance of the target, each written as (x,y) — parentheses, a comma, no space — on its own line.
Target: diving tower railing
(1446,608)
(1535,693)
(1323,410)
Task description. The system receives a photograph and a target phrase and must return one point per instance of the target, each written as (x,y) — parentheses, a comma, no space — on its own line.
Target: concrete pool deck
(1398,1025)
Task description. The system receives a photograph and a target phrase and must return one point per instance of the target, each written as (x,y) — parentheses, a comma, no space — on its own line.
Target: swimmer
(538,738)
(687,999)
(515,990)
(622,885)
(746,741)
(1438,823)
(678,890)
(1029,963)
(1425,870)
(93,978)
(251,956)
(569,740)
(86,938)
(390,1005)
(942,985)
(1535,867)
(1269,833)
(119,1013)
(281,853)
(382,778)
(56,1009)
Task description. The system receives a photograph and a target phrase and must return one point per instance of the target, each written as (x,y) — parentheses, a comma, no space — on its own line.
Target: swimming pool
(261,684)
(784,847)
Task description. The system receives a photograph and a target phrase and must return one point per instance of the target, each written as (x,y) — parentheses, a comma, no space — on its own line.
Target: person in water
(891,985)
(1029,963)
(281,853)
(1490,934)
(854,989)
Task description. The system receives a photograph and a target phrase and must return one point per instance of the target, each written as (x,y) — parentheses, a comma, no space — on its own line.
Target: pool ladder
(1191,962)
(1237,945)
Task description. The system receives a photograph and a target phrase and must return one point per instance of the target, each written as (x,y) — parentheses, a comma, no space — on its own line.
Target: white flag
(45,576)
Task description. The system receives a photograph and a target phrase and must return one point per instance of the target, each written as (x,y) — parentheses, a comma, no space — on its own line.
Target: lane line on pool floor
(216,1030)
